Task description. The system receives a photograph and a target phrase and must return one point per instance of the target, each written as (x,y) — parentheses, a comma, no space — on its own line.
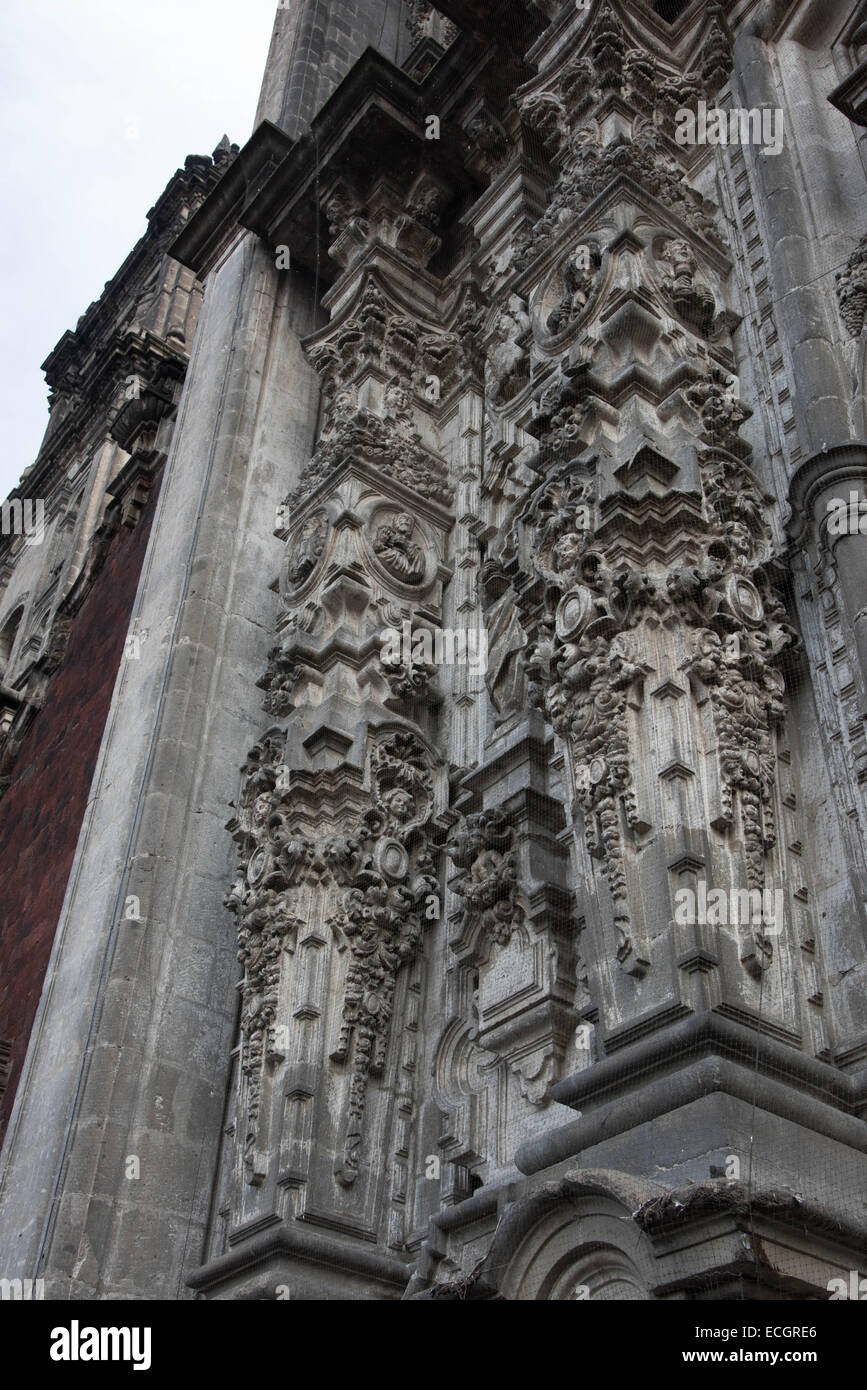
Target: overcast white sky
(100,102)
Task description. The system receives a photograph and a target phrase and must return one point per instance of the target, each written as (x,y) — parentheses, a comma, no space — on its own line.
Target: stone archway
(575,1239)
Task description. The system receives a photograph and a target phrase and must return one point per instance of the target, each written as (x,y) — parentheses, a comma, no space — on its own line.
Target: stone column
(119,1109)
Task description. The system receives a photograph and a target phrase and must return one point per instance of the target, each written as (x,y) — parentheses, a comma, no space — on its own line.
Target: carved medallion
(304,550)
(400,547)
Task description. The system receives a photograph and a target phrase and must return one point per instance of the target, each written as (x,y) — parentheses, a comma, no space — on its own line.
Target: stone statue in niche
(507,367)
(506,641)
(398,552)
(310,545)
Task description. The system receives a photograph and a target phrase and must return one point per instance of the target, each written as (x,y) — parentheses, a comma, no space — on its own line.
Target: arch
(575,1239)
(8,634)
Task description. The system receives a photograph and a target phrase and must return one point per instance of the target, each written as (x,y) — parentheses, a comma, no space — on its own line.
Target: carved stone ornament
(588,161)
(425,21)
(851,284)
(507,369)
(304,549)
(585,666)
(481,847)
(691,300)
(397,550)
(573,287)
(378,871)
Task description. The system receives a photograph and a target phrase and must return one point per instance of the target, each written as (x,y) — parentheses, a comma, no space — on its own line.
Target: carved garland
(584,663)
(383,866)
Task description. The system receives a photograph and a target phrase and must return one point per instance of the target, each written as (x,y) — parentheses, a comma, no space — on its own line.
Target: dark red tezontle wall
(41,813)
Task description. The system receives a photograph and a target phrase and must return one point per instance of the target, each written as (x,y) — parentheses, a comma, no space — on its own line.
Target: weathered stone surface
(469,898)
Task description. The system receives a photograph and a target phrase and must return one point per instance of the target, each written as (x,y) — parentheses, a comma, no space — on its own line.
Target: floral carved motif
(592,631)
(378,872)
(851,283)
(481,847)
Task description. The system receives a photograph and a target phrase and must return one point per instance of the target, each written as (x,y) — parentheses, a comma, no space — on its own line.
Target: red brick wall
(41,813)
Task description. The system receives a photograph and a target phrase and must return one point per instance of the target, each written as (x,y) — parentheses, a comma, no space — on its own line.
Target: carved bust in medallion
(397,551)
(308,548)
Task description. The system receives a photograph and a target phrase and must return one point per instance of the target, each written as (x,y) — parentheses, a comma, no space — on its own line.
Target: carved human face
(739,538)
(395,399)
(400,803)
(680,254)
(404,525)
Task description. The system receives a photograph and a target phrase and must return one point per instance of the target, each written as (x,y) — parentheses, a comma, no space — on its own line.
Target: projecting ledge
(701,1056)
(310,1264)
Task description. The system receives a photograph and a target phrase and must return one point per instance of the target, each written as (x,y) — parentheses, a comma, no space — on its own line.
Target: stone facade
(469,899)
(69,582)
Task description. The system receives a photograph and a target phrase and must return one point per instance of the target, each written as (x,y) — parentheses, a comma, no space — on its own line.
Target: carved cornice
(376,120)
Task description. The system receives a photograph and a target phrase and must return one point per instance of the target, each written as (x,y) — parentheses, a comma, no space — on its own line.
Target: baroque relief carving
(560,113)
(416,364)
(392,444)
(305,549)
(491,146)
(590,627)
(397,551)
(481,847)
(425,21)
(507,369)
(591,168)
(577,281)
(690,298)
(851,284)
(379,872)
(404,219)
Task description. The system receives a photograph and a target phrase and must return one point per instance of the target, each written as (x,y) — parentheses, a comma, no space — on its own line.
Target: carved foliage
(722,414)
(404,219)
(379,866)
(284,670)
(608,64)
(561,114)
(584,666)
(852,289)
(420,365)
(581,671)
(591,166)
(391,443)
(482,848)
